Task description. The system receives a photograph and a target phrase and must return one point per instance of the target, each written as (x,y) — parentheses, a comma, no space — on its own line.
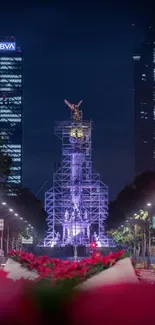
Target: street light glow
(149,204)
(17,215)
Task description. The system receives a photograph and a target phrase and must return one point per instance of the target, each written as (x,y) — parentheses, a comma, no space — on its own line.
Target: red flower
(56,268)
(96,255)
(122,304)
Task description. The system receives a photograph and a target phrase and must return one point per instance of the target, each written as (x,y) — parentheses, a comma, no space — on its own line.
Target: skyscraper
(144,95)
(11,106)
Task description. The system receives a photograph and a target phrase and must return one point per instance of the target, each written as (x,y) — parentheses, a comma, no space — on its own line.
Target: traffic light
(93,245)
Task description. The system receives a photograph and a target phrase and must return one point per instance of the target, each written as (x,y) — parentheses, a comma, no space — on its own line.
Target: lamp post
(149,236)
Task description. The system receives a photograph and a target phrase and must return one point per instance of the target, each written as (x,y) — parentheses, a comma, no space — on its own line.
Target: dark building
(145,104)
(11,106)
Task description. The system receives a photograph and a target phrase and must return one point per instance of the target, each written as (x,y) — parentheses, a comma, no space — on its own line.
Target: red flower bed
(130,304)
(16,303)
(23,302)
(59,270)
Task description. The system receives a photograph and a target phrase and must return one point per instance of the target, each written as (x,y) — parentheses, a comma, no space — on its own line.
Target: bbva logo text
(7,46)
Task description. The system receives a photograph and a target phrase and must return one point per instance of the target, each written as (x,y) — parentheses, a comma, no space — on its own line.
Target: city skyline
(67,59)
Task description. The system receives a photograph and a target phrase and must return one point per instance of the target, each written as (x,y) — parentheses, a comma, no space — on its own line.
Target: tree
(5,164)
(5,169)
(132,198)
(30,208)
(124,236)
(136,233)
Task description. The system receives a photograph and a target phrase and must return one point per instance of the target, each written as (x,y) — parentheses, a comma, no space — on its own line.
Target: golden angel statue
(75,109)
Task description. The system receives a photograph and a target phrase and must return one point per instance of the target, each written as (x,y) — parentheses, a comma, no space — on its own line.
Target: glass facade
(144,100)
(11,107)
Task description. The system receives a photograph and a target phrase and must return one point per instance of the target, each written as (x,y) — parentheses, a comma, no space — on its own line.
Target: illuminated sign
(7,46)
(27,241)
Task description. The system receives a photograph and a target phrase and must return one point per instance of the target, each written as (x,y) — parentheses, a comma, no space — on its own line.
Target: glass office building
(11,106)
(144,99)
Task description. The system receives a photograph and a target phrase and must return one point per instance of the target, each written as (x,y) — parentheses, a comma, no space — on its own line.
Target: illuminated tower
(11,106)
(77,204)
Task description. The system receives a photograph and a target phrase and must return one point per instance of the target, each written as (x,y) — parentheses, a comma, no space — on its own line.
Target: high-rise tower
(144,94)
(11,106)
(77,204)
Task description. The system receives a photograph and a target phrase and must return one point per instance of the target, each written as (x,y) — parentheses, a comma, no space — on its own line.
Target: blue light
(7,46)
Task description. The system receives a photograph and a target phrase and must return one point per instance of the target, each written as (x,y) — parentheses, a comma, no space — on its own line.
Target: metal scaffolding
(77,204)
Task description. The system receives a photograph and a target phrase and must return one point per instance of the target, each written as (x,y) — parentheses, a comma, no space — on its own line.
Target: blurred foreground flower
(55,297)
(130,304)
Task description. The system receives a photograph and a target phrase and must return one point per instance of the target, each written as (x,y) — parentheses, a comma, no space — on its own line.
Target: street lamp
(149,204)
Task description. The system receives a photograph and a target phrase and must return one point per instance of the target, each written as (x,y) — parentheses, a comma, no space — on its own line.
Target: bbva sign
(7,46)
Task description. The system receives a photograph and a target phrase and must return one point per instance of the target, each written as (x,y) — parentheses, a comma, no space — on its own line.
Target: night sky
(77,52)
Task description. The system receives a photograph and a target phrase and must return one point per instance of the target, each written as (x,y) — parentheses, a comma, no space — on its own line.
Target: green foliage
(5,164)
(128,234)
(123,235)
(131,199)
(117,235)
(31,209)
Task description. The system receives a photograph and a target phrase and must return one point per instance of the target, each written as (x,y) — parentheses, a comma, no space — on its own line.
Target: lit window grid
(10,119)
(6,115)
(10,59)
(8,82)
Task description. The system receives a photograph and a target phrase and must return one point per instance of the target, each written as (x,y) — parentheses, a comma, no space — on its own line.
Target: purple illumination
(7,46)
(78,201)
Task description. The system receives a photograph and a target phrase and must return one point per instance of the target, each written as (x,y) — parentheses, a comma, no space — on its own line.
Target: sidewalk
(146,275)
